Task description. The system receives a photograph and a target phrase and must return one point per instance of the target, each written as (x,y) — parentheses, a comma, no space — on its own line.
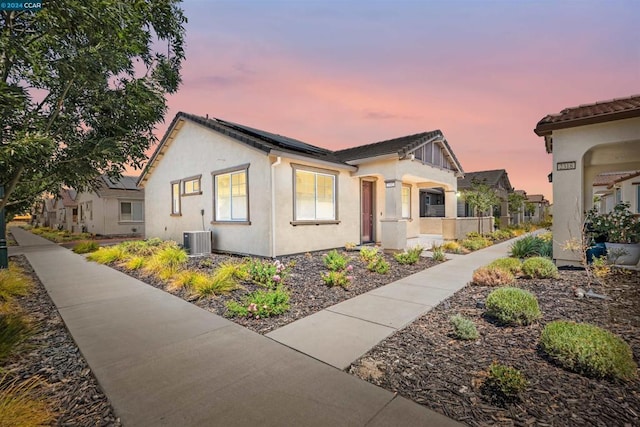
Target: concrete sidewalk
(163,361)
(340,334)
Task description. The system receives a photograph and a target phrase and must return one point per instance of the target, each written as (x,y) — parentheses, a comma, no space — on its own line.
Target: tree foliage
(481,198)
(82,87)
(516,202)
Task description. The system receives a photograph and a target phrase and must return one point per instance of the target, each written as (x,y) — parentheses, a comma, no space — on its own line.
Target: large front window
(231,196)
(132,211)
(315,196)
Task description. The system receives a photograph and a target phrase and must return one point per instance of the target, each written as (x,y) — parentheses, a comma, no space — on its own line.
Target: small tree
(481,199)
(516,202)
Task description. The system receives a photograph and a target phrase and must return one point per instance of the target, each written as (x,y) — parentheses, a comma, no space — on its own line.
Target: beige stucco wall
(431,225)
(597,148)
(458,228)
(197,150)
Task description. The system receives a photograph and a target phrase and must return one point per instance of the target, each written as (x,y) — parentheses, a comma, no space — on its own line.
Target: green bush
(528,246)
(223,280)
(145,248)
(476,243)
(266,272)
(512,265)
(502,234)
(335,261)
(540,268)
(85,247)
(135,263)
(378,265)
(492,276)
(368,254)
(166,262)
(504,383)
(410,256)
(513,306)
(463,328)
(260,304)
(336,278)
(588,350)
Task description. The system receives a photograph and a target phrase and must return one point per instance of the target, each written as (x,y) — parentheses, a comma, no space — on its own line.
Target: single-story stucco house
(610,188)
(269,195)
(66,209)
(112,207)
(586,141)
(498,180)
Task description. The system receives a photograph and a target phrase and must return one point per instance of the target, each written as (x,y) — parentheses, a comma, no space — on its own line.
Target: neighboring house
(496,179)
(611,188)
(265,194)
(586,141)
(66,210)
(536,208)
(112,207)
(518,213)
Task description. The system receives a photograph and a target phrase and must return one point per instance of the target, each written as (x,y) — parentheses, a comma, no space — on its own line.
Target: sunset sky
(340,73)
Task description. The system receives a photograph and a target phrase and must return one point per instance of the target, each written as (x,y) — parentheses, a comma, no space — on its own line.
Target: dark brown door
(367,211)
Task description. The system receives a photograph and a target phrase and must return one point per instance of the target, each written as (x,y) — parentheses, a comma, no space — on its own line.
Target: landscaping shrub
(546,249)
(166,262)
(85,247)
(265,272)
(476,243)
(368,254)
(513,306)
(410,256)
(135,263)
(438,253)
(335,261)
(260,304)
(18,407)
(463,328)
(222,281)
(378,265)
(492,276)
(526,247)
(504,383)
(601,267)
(588,350)
(13,282)
(108,255)
(145,248)
(502,234)
(336,278)
(188,279)
(512,265)
(453,247)
(539,268)
(14,330)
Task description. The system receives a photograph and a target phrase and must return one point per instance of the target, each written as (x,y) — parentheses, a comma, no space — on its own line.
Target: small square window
(191,186)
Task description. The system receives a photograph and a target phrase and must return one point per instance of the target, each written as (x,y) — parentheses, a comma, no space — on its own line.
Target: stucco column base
(394,235)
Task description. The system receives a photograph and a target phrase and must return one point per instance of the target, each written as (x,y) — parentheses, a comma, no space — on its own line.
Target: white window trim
(230,171)
(320,171)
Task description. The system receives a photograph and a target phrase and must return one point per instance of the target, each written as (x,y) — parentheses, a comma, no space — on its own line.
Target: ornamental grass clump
(476,243)
(260,304)
(20,406)
(454,247)
(437,253)
(85,247)
(512,265)
(588,350)
(166,262)
(410,256)
(463,328)
(13,282)
(527,246)
(539,268)
(513,306)
(504,383)
(108,255)
(492,276)
(14,330)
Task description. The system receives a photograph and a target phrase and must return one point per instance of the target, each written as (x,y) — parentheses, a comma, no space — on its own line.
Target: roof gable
(491,177)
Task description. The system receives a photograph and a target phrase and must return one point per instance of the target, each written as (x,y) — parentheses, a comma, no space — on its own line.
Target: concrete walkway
(163,361)
(340,334)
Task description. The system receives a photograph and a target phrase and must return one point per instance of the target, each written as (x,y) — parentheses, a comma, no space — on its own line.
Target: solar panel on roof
(280,140)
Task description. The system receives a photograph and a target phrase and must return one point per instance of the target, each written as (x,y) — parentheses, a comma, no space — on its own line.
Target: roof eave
(289,155)
(544,129)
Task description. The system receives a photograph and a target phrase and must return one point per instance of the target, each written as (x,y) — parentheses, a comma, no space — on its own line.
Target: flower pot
(623,253)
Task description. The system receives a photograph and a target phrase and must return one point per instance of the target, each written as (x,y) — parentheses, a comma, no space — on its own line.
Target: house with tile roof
(111,207)
(265,194)
(498,180)
(586,141)
(611,188)
(537,208)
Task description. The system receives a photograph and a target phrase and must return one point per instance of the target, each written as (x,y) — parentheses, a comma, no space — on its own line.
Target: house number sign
(565,166)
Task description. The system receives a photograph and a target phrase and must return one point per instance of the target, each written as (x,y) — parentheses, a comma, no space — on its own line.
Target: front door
(367,212)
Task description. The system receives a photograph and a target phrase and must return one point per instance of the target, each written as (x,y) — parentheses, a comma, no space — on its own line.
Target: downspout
(273,206)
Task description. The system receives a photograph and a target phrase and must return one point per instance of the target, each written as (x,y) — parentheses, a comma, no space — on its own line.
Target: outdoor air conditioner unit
(197,243)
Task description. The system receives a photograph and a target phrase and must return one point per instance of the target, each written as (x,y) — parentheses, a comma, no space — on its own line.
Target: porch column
(450,204)
(394,228)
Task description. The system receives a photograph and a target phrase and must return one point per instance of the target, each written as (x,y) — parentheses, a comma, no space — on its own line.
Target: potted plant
(622,230)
